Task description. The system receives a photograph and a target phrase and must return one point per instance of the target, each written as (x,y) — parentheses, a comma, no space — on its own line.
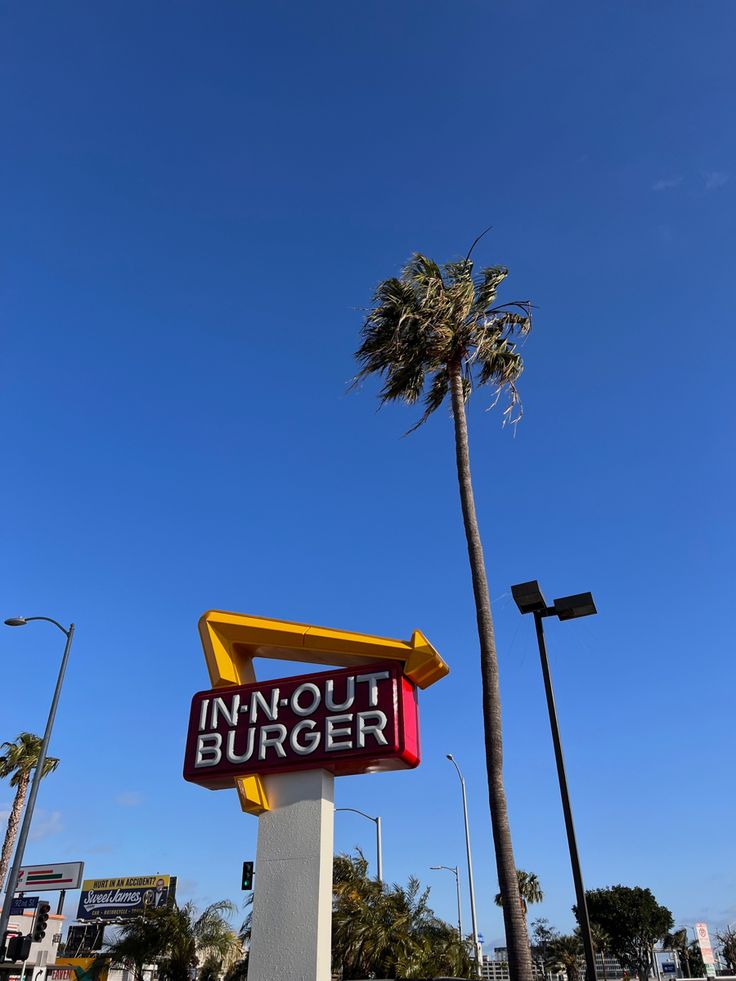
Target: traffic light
(19,948)
(41,919)
(247,875)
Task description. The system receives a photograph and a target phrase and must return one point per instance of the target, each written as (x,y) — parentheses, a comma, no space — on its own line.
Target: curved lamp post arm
(456,872)
(379,847)
(21,621)
(55,623)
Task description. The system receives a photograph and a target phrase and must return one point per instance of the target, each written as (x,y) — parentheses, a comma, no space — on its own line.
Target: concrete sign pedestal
(292,901)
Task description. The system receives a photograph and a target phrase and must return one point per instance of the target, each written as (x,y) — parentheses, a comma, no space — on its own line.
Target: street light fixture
(473,921)
(379,850)
(12,882)
(529,599)
(456,872)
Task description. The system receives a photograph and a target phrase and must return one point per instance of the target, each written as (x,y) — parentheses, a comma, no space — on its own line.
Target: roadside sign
(232,640)
(302,724)
(706,950)
(45,878)
(668,968)
(21,903)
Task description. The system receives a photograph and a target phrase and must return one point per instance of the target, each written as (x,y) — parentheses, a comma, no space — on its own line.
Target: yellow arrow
(232,640)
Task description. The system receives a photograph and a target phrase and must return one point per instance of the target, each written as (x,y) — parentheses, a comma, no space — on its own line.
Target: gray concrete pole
(473,920)
(35,783)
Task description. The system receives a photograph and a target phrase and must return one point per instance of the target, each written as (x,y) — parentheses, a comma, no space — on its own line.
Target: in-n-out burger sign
(358,716)
(347,721)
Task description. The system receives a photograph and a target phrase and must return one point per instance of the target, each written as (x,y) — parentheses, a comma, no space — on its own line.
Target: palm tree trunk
(517,939)
(13,822)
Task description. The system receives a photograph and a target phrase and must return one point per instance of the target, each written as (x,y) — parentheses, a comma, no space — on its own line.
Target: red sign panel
(347,721)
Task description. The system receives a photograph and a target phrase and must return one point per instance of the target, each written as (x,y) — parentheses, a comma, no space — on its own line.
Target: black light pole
(38,774)
(529,599)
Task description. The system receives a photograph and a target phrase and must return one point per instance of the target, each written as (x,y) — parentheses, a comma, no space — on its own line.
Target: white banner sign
(704,941)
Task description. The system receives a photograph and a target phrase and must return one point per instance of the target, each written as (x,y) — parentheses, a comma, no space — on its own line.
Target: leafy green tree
(175,939)
(677,941)
(564,953)
(18,761)
(541,936)
(727,939)
(436,332)
(389,931)
(634,921)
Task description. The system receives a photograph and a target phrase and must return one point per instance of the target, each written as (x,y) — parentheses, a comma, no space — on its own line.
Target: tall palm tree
(530,891)
(433,332)
(17,761)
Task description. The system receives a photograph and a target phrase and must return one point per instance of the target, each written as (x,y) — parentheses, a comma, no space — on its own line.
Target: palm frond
(432,317)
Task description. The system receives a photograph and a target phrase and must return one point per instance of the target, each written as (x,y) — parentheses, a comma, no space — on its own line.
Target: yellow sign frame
(232,640)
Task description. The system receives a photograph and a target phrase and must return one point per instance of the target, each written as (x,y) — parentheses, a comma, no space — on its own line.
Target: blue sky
(197,202)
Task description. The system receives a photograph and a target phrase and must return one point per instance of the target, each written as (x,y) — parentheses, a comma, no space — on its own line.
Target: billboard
(84,940)
(350,720)
(121,898)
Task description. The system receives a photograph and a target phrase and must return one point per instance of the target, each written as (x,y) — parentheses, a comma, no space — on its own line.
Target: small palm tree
(601,944)
(564,954)
(677,941)
(432,333)
(18,760)
(530,891)
(389,931)
(176,938)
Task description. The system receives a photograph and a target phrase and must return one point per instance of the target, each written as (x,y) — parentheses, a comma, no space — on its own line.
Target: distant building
(497,968)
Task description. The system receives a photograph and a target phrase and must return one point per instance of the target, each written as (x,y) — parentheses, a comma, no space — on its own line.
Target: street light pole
(38,773)
(582,903)
(379,849)
(456,872)
(529,599)
(473,921)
